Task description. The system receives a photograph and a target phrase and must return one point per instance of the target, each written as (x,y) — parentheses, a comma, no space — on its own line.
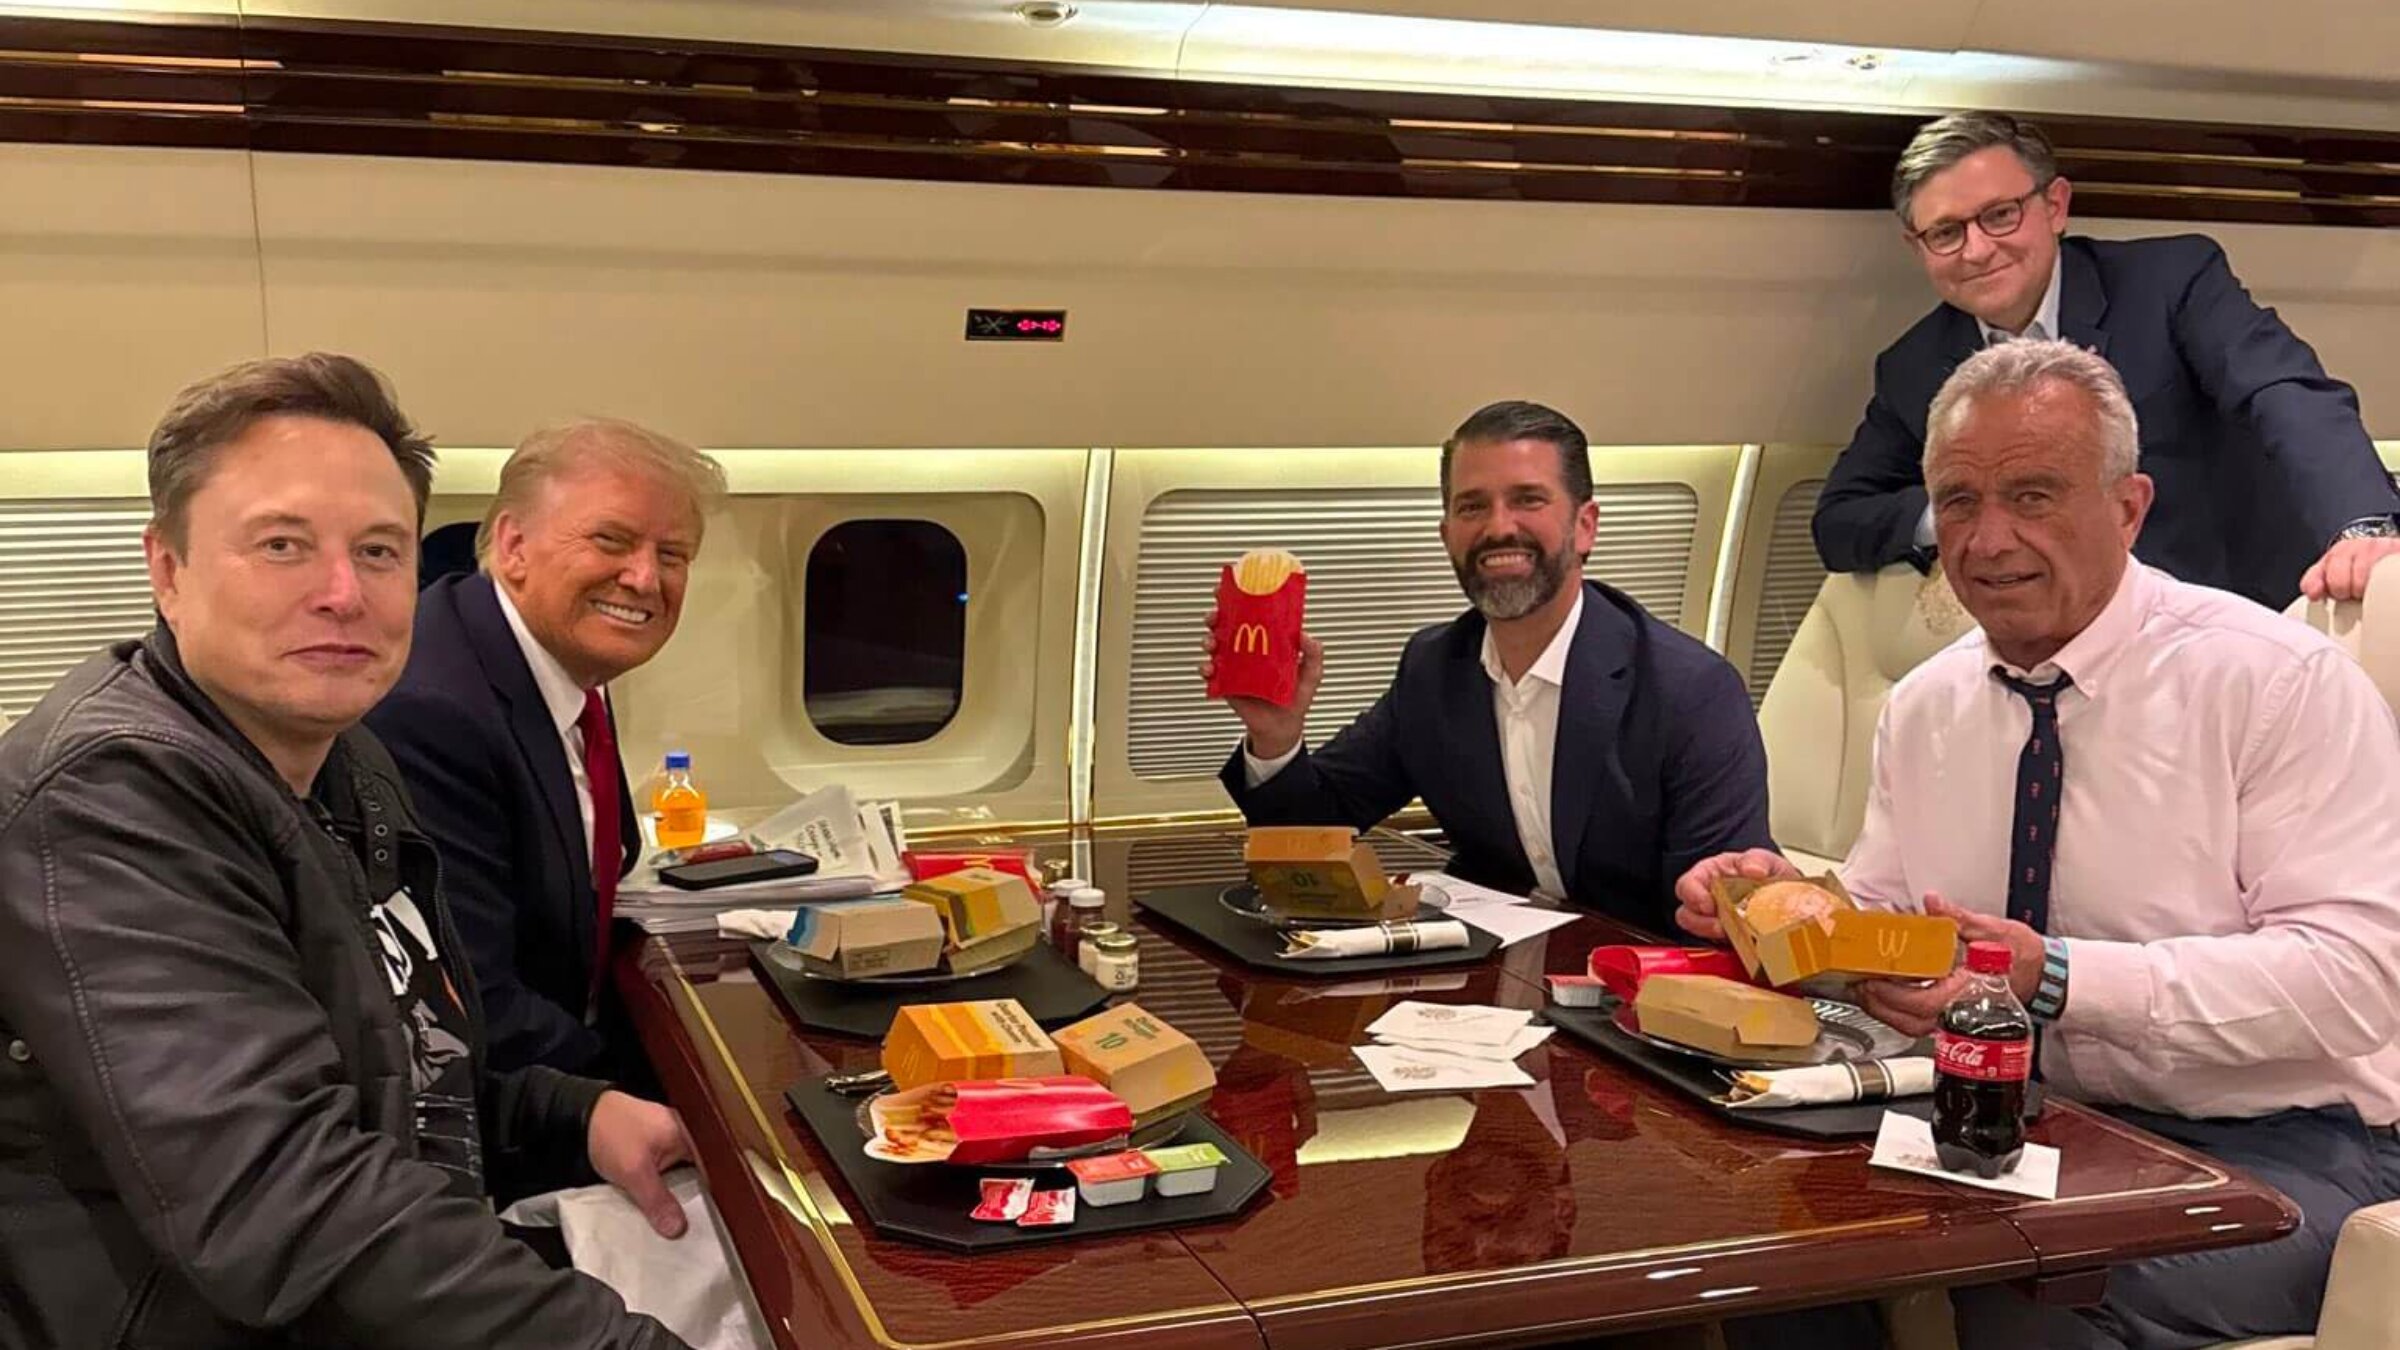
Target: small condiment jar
(1117,962)
(1063,928)
(1086,948)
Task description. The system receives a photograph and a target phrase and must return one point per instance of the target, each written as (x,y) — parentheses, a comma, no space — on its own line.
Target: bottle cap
(1065,887)
(679,759)
(1086,897)
(1989,958)
(1114,942)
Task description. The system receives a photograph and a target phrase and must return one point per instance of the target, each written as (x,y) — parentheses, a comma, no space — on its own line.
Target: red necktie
(600,772)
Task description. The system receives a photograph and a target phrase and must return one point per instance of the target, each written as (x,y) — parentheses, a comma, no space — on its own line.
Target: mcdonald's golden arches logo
(1891,943)
(1251,639)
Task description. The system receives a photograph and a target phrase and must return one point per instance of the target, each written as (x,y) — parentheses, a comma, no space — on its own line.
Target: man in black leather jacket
(244,1101)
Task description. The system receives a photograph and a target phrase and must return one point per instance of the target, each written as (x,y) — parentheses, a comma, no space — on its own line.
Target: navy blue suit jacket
(1658,762)
(489,778)
(2259,455)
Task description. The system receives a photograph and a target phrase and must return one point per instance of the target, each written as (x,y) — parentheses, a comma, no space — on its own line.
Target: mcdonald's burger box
(1322,872)
(885,936)
(1787,931)
(1158,1070)
(1727,1017)
(953,1042)
(990,916)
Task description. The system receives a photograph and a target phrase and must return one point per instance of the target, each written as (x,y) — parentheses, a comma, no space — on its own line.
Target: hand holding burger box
(1786,931)
(1257,628)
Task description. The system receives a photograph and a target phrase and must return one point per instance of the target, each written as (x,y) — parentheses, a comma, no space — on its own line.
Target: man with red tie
(502,727)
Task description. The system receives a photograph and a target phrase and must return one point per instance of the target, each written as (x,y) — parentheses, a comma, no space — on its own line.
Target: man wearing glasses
(2267,482)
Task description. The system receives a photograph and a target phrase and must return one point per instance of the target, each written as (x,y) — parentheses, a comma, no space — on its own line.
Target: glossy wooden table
(1596,1201)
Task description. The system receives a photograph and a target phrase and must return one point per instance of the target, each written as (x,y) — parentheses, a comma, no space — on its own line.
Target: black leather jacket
(206,1131)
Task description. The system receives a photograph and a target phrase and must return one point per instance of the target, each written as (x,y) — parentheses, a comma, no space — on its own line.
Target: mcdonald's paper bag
(1258,632)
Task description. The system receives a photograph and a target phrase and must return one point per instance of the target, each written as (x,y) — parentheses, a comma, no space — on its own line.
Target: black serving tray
(928,1202)
(1201,912)
(1702,1081)
(1053,989)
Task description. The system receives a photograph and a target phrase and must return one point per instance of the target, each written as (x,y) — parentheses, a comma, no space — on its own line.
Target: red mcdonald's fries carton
(995,1120)
(1624,968)
(1259,603)
(925,865)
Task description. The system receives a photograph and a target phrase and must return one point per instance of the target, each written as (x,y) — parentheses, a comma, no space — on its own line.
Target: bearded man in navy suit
(503,729)
(1570,744)
(2267,482)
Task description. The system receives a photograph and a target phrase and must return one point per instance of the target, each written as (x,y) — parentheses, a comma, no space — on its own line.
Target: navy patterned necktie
(2041,772)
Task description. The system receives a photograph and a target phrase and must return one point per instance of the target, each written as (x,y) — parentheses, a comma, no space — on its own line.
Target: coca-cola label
(1981,1060)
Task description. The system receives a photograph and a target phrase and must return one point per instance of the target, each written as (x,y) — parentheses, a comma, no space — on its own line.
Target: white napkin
(1905,1144)
(688,1283)
(1825,1084)
(1324,944)
(1400,1068)
(755,923)
(1450,1024)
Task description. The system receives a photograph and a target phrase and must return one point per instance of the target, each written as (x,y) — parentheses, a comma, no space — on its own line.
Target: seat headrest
(1910,617)
(2369,629)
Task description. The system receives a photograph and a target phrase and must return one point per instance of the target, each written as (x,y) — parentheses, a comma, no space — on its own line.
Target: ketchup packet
(1048,1209)
(1004,1199)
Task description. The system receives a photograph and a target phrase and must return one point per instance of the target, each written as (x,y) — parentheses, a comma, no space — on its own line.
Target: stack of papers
(857,851)
(1510,918)
(1445,1047)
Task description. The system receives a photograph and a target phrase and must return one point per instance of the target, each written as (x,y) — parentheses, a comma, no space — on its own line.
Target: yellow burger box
(1848,941)
(990,916)
(1158,1070)
(1727,1017)
(950,1042)
(882,936)
(1322,872)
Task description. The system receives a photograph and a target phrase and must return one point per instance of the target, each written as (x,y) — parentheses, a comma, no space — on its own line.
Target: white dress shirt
(2044,325)
(564,700)
(1527,712)
(2227,874)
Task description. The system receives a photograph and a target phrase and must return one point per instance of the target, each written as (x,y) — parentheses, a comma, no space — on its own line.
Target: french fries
(920,1129)
(1262,571)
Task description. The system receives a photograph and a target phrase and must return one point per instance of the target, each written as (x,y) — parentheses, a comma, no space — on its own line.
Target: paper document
(846,840)
(1510,918)
(1905,1144)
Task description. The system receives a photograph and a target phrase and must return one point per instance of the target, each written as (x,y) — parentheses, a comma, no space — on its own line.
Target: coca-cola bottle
(1983,1053)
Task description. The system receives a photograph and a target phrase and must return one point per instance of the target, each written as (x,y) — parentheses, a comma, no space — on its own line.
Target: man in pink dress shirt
(2175,806)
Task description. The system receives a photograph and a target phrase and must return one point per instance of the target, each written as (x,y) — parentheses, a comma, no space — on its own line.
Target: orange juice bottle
(682,807)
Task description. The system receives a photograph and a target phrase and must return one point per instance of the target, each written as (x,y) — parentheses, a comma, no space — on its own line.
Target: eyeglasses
(1997,221)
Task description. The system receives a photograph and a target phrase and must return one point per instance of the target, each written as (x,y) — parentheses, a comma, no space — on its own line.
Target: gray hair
(556,450)
(1947,140)
(2021,367)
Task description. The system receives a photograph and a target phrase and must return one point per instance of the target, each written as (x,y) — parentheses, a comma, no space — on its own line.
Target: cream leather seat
(2362,1302)
(1863,633)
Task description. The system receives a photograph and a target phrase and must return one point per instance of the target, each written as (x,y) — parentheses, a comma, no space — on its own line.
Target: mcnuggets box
(925,864)
(1786,931)
(867,937)
(1726,1017)
(1322,872)
(1259,603)
(1158,1070)
(990,916)
(944,1042)
(994,1121)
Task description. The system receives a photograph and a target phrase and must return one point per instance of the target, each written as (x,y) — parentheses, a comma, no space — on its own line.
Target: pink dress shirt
(2228,866)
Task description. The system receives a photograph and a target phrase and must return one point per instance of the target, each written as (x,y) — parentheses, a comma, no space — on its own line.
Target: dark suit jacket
(2259,455)
(490,781)
(1657,765)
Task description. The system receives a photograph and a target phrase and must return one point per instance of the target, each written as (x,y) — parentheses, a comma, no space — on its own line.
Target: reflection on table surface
(1595,1200)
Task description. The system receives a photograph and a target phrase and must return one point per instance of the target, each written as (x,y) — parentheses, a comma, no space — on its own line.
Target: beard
(1505,598)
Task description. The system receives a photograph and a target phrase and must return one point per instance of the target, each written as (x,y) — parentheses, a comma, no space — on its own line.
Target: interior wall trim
(312,86)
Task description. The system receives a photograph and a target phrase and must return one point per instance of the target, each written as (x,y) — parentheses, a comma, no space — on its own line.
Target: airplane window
(886,631)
